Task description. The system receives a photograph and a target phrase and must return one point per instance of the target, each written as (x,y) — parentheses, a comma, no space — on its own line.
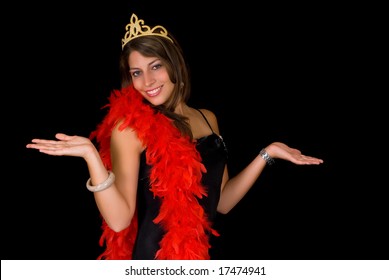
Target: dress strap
(205,120)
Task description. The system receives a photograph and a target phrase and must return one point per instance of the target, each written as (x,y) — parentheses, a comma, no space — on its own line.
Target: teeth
(153,92)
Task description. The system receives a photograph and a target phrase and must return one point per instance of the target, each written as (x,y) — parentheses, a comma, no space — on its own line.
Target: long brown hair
(171,55)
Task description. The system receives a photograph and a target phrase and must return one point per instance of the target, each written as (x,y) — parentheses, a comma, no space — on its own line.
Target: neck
(182,109)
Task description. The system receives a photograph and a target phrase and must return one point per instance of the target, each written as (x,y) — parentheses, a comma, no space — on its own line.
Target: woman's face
(150,78)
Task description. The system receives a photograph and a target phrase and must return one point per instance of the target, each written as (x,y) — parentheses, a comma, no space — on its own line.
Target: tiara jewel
(136,28)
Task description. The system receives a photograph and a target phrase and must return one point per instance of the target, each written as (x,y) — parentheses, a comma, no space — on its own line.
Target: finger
(52,151)
(304,160)
(313,161)
(47,146)
(63,136)
(44,141)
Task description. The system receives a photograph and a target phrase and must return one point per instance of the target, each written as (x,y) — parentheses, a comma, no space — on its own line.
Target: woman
(159,174)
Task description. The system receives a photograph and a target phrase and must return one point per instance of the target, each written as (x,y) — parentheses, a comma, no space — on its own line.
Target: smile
(153,92)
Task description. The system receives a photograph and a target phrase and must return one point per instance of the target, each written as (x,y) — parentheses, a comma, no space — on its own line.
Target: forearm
(237,187)
(110,201)
(113,208)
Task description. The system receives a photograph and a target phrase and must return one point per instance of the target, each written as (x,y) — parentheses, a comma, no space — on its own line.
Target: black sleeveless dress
(214,157)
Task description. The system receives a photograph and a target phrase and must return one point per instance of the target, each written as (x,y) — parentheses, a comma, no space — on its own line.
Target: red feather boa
(175,178)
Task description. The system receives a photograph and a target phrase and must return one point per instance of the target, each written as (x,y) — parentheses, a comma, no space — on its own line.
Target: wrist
(268,159)
(102,186)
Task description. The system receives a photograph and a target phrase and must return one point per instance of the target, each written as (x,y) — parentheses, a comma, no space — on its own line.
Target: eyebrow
(152,62)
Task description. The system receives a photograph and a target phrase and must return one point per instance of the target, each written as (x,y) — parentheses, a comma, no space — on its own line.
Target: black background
(274,72)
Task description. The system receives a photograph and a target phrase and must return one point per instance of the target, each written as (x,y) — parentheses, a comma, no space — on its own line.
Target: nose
(149,79)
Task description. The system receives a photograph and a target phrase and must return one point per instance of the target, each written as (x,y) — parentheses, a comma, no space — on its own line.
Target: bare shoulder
(125,138)
(208,113)
(212,119)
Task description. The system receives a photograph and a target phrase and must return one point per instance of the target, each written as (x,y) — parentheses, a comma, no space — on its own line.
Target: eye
(157,66)
(134,73)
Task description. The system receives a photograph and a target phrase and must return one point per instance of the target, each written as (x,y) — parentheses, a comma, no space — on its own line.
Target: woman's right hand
(66,145)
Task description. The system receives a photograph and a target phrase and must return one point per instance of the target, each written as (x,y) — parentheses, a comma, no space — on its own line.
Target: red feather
(175,178)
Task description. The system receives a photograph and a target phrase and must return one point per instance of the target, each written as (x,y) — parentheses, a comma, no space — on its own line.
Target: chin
(156,100)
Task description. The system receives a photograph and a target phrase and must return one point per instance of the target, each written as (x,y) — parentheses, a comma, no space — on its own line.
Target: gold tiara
(136,28)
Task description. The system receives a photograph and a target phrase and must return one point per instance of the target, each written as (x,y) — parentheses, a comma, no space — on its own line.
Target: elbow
(120,221)
(223,210)
(118,227)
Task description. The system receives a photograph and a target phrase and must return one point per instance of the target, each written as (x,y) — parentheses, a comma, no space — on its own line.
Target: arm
(116,203)
(118,206)
(234,189)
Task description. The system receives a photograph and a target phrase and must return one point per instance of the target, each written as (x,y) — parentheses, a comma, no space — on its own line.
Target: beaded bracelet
(269,160)
(104,185)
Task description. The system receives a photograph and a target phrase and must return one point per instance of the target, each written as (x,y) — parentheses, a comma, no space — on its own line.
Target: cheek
(165,76)
(137,84)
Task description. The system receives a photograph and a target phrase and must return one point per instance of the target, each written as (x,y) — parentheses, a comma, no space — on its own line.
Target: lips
(154,92)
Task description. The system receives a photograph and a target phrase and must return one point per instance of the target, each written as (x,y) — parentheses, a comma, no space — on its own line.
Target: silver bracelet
(269,160)
(104,185)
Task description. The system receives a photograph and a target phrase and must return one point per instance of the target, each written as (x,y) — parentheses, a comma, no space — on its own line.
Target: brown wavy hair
(172,57)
